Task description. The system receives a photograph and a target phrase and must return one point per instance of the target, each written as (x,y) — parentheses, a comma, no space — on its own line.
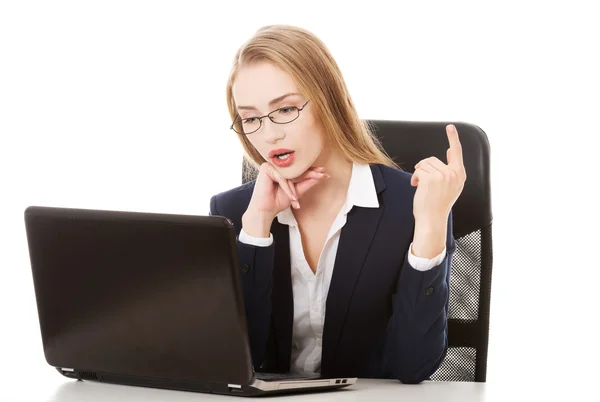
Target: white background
(121,105)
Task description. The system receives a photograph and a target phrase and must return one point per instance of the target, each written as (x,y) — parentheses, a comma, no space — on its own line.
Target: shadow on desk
(367,389)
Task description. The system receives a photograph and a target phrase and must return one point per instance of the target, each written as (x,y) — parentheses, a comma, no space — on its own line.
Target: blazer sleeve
(255,267)
(417,332)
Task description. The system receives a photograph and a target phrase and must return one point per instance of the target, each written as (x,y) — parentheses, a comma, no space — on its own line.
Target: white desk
(363,390)
(27,389)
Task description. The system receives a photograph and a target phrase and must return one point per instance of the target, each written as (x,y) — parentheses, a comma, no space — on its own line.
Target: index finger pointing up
(455,151)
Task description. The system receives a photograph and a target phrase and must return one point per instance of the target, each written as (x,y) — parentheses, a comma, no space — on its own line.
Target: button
(319,341)
(245,268)
(429,291)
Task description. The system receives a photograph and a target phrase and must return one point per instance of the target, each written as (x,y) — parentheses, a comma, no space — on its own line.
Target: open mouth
(284,159)
(283,156)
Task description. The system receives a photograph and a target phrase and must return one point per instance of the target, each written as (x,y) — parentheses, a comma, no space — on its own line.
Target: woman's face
(262,88)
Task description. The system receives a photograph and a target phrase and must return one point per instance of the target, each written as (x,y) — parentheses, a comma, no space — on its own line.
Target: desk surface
(27,389)
(363,390)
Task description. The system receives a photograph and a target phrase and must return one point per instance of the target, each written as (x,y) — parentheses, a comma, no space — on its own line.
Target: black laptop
(147,299)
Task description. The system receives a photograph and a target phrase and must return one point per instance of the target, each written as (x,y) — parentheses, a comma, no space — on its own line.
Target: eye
(249,120)
(287,109)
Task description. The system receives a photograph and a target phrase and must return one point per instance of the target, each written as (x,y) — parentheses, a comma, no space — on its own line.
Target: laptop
(147,299)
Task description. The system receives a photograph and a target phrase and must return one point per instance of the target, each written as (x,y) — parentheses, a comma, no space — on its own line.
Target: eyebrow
(271,103)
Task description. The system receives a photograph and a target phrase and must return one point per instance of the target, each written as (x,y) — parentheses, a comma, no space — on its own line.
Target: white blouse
(310,289)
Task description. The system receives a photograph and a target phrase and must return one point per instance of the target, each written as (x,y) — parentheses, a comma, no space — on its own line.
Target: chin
(290,172)
(297,169)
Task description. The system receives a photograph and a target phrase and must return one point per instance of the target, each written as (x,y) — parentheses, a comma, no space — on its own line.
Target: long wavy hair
(305,57)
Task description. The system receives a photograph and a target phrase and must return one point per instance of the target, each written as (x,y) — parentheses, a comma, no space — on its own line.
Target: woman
(344,257)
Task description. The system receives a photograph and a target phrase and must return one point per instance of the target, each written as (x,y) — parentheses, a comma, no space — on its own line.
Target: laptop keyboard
(284,376)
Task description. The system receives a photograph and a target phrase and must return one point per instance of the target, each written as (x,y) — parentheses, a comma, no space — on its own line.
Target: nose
(271,132)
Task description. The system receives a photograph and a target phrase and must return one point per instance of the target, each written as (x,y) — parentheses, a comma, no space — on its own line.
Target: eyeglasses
(283,115)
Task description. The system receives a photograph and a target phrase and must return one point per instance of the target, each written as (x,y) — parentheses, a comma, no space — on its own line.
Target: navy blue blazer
(383,318)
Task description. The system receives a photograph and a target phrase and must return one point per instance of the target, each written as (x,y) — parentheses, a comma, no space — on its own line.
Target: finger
(293,188)
(309,181)
(310,174)
(423,173)
(455,156)
(283,184)
(286,189)
(414,180)
(438,165)
(314,173)
(424,166)
(306,185)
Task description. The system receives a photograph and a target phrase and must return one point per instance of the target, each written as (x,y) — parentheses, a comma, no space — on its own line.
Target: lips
(283,163)
(279,151)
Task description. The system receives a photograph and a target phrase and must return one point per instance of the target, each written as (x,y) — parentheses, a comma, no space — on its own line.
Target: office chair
(408,142)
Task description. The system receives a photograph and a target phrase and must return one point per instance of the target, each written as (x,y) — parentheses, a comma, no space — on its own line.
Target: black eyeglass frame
(260,119)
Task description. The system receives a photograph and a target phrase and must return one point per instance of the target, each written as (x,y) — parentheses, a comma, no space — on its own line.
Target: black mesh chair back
(408,142)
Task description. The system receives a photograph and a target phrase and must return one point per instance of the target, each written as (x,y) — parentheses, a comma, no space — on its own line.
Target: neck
(333,190)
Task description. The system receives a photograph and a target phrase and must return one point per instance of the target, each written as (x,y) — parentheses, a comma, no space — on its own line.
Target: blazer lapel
(282,296)
(355,241)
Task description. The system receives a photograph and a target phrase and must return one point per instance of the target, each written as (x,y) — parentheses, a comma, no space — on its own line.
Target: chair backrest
(408,142)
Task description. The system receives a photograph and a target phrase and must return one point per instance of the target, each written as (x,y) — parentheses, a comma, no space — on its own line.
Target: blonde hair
(305,57)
